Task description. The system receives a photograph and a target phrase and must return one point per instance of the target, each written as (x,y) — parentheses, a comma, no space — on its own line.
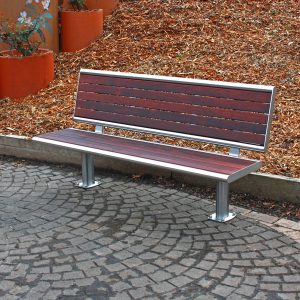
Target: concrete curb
(275,187)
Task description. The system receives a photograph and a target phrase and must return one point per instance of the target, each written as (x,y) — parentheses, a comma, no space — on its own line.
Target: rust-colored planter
(108,6)
(80,28)
(22,76)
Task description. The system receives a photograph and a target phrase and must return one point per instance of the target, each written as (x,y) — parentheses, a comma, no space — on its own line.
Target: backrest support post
(234,152)
(99,128)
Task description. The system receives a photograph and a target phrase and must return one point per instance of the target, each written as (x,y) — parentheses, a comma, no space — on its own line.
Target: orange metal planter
(21,76)
(80,28)
(107,5)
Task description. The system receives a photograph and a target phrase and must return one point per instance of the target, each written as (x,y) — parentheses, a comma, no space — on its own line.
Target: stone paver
(134,240)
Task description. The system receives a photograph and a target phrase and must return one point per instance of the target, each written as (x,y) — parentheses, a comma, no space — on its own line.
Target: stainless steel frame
(243,172)
(222,205)
(99,128)
(224,84)
(253,87)
(88,175)
(271,110)
(234,152)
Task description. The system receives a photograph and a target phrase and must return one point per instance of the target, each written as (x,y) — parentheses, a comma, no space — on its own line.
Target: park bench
(234,115)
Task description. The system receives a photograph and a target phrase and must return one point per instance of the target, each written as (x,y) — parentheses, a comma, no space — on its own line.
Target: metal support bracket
(234,152)
(222,204)
(88,175)
(99,128)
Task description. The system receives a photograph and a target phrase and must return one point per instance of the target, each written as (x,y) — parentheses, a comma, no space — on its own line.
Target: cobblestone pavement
(131,240)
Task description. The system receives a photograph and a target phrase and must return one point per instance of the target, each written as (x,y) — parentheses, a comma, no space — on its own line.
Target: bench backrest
(230,114)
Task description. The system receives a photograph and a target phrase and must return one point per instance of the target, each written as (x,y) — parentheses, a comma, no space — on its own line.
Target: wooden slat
(158,152)
(226,113)
(154,113)
(177,107)
(241,105)
(150,151)
(229,135)
(192,89)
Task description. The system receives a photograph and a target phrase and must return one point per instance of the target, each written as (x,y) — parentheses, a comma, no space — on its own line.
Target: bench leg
(88,176)
(222,205)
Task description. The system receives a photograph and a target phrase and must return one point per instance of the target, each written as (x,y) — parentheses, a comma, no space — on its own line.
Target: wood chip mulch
(248,41)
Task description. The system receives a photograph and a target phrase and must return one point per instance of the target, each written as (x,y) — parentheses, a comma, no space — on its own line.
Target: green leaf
(41,34)
(36,24)
(48,26)
(48,16)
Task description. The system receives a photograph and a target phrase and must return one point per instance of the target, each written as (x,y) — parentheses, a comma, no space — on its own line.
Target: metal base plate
(230,216)
(80,184)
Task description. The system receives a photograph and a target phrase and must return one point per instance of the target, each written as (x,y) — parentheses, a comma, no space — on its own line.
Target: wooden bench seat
(234,115)
(221,167)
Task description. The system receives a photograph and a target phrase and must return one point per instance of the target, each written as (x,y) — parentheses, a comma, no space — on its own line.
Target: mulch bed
(242,41)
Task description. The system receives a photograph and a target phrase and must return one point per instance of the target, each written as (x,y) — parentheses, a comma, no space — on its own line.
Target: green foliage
(19,39)
(78,4)
(20,36)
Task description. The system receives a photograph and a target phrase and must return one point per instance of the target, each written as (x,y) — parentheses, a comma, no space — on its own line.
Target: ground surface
(133,240)
(241,41)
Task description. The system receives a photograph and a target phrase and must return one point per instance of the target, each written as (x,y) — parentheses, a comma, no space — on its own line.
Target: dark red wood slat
(143,152)
(111,142)
(178,107)
(242,105)
(229,135)
(192,89)
(172,116)
(184,157)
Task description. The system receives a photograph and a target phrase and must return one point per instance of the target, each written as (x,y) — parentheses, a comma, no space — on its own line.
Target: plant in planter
(25,68)
(78,4)
(108,6)
(80,26)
